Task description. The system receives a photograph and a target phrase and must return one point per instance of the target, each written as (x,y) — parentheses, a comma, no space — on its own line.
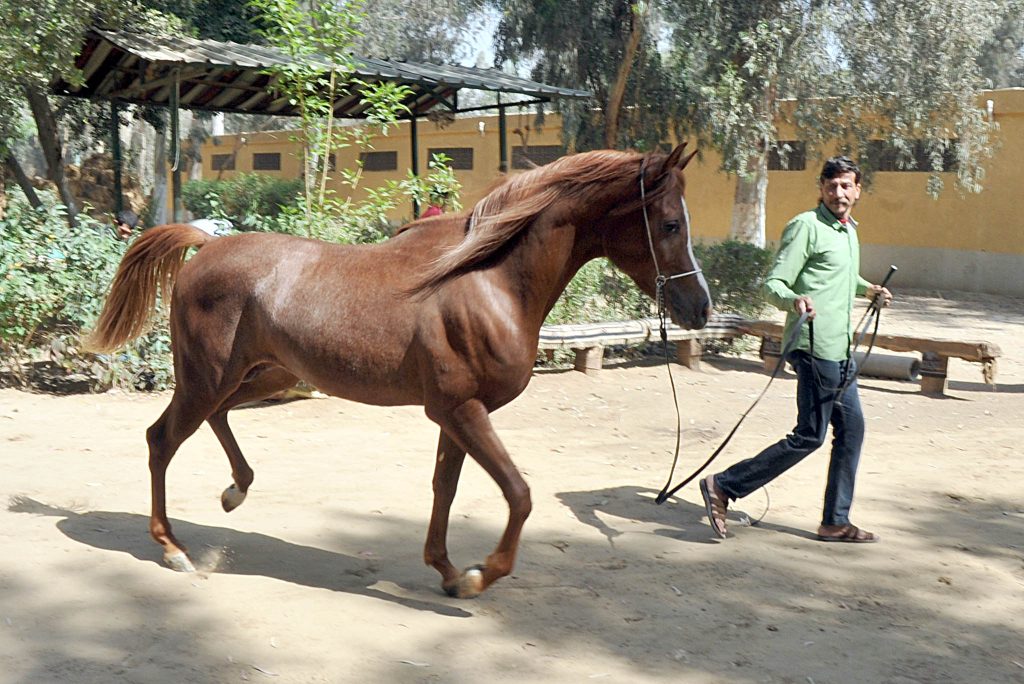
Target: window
(379,161)
(788,155)
(885,157)
(539,155)
(266,161)
(223,162)
(461,157)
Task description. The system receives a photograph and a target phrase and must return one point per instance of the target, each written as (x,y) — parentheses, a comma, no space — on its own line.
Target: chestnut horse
(446,315)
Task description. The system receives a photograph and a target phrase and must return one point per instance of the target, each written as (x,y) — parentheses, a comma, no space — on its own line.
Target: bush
(735,272)
(54,282)
(246,200)
(600,292)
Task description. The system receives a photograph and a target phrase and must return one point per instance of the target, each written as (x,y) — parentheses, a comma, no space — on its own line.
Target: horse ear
(677,160)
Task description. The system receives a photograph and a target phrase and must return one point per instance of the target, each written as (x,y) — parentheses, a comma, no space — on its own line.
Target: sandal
(850,534)
(714,505)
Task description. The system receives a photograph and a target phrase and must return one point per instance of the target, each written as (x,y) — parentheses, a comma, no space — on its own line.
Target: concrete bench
(935,354)
(588,340)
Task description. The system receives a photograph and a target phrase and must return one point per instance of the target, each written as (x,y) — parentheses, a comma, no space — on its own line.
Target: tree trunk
(158,199)
(749,202)
(53,148)
(618,90)
(11,162)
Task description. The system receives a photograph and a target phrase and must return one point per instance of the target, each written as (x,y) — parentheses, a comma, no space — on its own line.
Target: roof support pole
(502,138)
(115,154)
(176,208)
(415,166)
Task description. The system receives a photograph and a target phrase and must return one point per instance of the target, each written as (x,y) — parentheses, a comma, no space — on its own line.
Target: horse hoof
(231,498)
(471,583)
(179,562)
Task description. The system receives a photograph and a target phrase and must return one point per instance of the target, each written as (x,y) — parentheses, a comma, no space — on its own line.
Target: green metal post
(115,154)
(177,209)
(415,142)
(502,138)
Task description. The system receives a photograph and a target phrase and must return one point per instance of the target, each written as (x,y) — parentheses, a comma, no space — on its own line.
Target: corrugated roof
(229,77)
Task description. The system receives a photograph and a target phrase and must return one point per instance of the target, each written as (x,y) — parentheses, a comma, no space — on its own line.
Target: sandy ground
(318,577)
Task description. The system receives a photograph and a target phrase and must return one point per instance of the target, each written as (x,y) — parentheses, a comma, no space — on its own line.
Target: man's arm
(794,250)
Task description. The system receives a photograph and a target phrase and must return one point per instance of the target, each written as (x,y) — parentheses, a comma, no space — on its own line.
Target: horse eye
(670,226)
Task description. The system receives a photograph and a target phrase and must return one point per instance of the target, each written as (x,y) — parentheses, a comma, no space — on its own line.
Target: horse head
(652,242)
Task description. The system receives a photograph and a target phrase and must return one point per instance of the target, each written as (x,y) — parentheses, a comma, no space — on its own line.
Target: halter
(659,297)
(661,279)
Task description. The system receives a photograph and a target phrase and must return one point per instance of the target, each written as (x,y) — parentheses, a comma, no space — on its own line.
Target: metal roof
(229,77)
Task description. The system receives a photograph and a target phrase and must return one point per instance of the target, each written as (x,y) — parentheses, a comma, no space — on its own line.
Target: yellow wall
(461,133)
(970,242)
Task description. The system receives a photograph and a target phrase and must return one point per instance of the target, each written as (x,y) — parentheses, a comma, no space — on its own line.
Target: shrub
(53,284)
(735,272)
(246,200)
(600,292)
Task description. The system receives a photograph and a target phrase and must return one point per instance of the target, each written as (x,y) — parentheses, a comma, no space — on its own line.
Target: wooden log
(589,359)
(688,353)
(933,373)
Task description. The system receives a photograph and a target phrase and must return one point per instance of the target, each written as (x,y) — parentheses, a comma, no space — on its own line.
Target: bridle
(660,278)
(659,297)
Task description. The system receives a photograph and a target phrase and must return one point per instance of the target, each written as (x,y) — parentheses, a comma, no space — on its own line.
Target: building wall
(969,242)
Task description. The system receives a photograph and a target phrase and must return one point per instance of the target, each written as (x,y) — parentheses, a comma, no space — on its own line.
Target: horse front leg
(447,467)
(470,426)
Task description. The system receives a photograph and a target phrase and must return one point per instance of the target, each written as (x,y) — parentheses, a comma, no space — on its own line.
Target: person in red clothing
(439,201)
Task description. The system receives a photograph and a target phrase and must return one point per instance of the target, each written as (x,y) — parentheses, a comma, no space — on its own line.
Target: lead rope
(794,335)
(659,298)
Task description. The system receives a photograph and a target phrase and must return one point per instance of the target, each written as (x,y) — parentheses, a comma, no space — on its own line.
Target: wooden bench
(935,354)
(588,340)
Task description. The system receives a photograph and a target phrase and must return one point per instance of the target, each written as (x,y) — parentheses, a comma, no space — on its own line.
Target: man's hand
(803,304)
(879,295)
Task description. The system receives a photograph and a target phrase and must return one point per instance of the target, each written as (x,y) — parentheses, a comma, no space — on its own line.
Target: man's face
(840,193)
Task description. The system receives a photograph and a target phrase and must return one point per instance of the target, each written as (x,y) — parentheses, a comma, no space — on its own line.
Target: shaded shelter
(218,76)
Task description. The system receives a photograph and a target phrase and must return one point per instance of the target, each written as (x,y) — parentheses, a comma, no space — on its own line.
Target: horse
(445,314)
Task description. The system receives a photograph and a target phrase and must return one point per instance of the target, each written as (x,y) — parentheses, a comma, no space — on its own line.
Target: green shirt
(819,257)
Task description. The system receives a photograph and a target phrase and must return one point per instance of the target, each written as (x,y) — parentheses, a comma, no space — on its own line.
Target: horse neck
(546,259)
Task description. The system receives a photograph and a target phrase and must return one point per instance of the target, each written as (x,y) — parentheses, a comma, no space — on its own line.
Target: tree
(848,71)
(607,47)
(425,30)
(41,40)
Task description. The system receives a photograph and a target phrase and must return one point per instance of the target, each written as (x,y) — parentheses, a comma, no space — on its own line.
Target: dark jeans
(817,387)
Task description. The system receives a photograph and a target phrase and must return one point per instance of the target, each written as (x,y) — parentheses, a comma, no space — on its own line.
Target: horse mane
(511,208)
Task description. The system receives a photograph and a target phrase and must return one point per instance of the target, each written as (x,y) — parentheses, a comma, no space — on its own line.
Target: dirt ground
(319,577)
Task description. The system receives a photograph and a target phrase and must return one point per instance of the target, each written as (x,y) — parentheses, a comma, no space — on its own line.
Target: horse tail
(149,266)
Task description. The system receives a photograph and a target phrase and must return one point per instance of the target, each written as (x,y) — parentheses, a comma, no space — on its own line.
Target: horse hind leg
(177,423)
(259,383)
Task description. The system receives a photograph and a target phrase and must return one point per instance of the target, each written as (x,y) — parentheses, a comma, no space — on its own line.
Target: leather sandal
(715,506)
(850,534)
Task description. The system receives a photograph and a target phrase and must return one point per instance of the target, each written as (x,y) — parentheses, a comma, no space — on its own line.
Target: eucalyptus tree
(884,79)
(41,40)
(606,46)
(440,31)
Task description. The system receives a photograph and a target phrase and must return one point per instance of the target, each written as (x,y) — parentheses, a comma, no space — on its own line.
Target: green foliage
(586,44)
(248,200)
(53,285)
(600,292)
(735,272)
(440,187)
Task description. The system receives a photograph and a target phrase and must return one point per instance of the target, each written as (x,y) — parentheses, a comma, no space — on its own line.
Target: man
(815,272)
(124,223)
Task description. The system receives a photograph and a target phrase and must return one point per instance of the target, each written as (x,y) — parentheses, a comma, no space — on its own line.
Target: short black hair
(836,166)
(127,216)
